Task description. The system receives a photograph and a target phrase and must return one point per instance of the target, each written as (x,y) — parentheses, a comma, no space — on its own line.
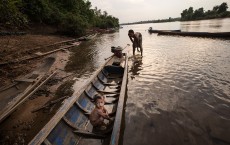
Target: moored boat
(71,125)
(14,94)
(151,30)
(198,34)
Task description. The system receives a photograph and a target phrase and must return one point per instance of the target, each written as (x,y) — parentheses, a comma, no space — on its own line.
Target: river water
(179,93)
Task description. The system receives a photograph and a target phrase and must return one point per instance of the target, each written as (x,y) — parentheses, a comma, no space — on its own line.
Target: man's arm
(131,39)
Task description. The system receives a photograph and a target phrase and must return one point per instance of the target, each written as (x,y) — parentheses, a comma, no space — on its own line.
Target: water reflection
(179,95)
(89,55)
(135,68)
(215,25)
(179,92)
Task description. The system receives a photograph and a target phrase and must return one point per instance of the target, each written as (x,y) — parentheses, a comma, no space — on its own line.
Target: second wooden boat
(12,94)
(151,30)
(197,34)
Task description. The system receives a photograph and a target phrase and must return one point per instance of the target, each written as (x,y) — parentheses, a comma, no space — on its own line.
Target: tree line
(71,17)
(153,21)
(219,11)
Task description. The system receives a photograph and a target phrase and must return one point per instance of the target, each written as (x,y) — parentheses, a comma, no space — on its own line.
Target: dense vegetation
(199,14)
(69,16)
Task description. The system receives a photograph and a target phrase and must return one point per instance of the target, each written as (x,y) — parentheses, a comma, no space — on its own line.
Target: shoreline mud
(23,124)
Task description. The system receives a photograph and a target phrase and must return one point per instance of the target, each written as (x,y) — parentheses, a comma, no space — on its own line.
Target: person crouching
(99,113)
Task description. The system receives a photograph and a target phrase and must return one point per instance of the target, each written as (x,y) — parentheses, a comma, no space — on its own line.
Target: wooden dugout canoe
(197,34)
(70,125)
(14,94)
(157,31)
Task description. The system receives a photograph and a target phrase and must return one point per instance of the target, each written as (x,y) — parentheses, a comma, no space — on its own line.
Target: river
(179,93)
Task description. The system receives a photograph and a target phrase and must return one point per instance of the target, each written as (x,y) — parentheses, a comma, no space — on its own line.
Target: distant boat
(197,34)
(157,31)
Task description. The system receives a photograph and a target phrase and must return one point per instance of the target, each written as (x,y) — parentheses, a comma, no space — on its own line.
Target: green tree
(215,8)
(199,13)
(10,14)
(222,8)
(184,14)
(71,17)
(217,12)
(187,14)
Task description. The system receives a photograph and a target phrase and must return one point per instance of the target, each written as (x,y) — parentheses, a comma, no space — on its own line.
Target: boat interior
(74,126)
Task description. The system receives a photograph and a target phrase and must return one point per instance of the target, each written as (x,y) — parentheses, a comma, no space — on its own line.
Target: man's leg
(141,47)
(138,45)
(141,50)
(134,47)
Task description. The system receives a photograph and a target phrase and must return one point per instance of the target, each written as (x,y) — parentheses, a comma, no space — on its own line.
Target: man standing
(136,39)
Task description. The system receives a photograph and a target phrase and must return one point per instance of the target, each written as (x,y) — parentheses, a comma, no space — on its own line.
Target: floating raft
(71,125)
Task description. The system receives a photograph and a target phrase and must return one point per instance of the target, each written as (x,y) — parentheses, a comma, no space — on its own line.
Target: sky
(142,10)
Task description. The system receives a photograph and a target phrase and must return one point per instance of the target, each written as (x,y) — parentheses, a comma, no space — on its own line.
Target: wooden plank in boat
(25,80)
(83,109)
(47,142)
(107,92)
(89,134)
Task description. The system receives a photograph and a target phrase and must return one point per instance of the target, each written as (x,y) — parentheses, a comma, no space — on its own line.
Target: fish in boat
(71,125)
(13,94)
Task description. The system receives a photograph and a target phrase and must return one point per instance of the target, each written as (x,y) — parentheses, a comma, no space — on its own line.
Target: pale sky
(141,10)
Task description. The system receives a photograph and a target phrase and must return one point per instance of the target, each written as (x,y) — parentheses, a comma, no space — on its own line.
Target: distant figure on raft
(136,39)
(99,113)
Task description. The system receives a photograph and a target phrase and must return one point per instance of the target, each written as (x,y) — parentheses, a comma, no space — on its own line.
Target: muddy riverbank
(27,120)
(16,47)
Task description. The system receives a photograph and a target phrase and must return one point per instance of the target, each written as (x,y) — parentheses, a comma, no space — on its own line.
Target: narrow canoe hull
(11,95)
(197,34)
(71,124)
(157,31)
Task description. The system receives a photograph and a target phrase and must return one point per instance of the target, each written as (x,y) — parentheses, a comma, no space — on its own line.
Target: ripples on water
(178,94)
